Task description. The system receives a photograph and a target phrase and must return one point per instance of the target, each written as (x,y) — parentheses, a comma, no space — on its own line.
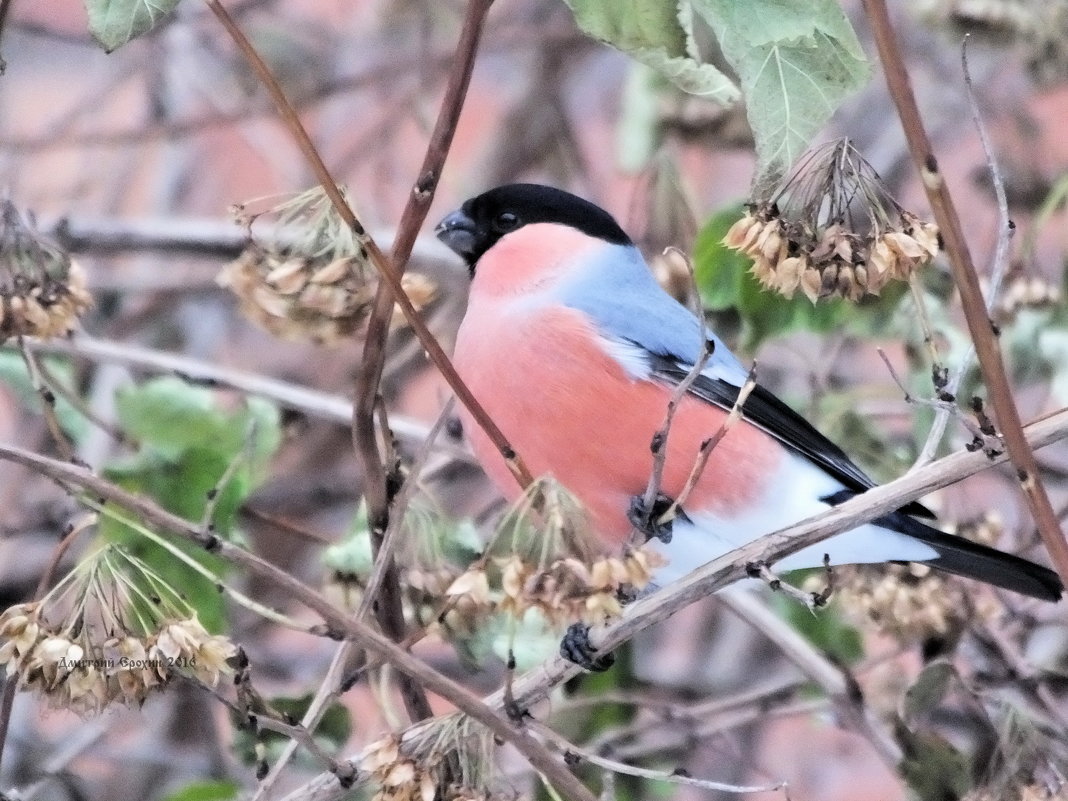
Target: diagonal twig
(380,261)
(971,295)
(1005,229)
(376,473)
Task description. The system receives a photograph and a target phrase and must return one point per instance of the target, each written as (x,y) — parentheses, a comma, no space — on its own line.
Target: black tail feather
(970,559)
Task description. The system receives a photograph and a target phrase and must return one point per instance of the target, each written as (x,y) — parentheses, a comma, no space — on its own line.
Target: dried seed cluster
(110,632)
(913,602)
(1024,291)
(418,775)
(565,591)
(832,230)
(42,291)
(321,284)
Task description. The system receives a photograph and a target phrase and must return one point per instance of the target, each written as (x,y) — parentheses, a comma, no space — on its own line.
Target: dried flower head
(832,230)
(111,631)
(913,602)
(42,291)
(412,771)
(315,280)
(670,224)
(1022,291)
(542,557)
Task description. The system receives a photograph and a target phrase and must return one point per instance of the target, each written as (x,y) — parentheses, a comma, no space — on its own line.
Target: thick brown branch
(979,323)
(364,433)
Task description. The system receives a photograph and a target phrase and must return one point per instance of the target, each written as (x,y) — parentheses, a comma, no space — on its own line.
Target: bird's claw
(647,519)
(576,647)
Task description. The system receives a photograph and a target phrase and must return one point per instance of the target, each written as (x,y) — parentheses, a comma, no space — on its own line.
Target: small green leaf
(532,639)
(206,791)
(796,62)
(719,271)
(115,22)
(188,441)
(933,769)
(928,690)
(352,555)
(173,416)
(658,34)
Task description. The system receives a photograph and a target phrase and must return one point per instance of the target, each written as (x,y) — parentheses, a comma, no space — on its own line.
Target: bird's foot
(647,518)
(576,647)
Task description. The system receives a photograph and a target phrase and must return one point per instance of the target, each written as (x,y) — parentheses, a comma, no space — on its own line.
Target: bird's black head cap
(483,220)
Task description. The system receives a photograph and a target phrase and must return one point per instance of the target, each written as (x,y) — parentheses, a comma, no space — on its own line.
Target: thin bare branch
(832,679)
(335,408)
(536,685)
(576,755)
(332,684)
(382,264)
(1005,231)
(337,624)
(979,324)
(376,470)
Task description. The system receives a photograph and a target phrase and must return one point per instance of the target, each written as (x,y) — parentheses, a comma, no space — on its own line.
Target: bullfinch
(575,351)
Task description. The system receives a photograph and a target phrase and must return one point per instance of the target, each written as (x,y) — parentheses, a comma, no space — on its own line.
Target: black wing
(767,412)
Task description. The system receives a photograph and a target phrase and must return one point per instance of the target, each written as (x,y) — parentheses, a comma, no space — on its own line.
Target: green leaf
(13,373)
(933,769)
(173,416)
(928,690)
(115,22)
(188,443)
(532,639)
(796,62)
(725,282)
(658,34)
(206,791)
(352,555)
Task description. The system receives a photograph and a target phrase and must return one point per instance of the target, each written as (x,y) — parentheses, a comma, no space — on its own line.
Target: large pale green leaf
(115,22)
(658,34)
(796,62)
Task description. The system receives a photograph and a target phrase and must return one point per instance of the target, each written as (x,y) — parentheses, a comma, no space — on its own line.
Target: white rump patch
(792,497)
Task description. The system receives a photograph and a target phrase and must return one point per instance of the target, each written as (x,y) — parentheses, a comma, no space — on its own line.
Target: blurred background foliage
(130,161)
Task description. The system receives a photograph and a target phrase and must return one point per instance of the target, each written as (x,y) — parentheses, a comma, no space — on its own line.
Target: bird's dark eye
(506,221)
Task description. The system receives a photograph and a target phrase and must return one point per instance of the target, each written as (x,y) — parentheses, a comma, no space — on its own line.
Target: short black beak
(459,233)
